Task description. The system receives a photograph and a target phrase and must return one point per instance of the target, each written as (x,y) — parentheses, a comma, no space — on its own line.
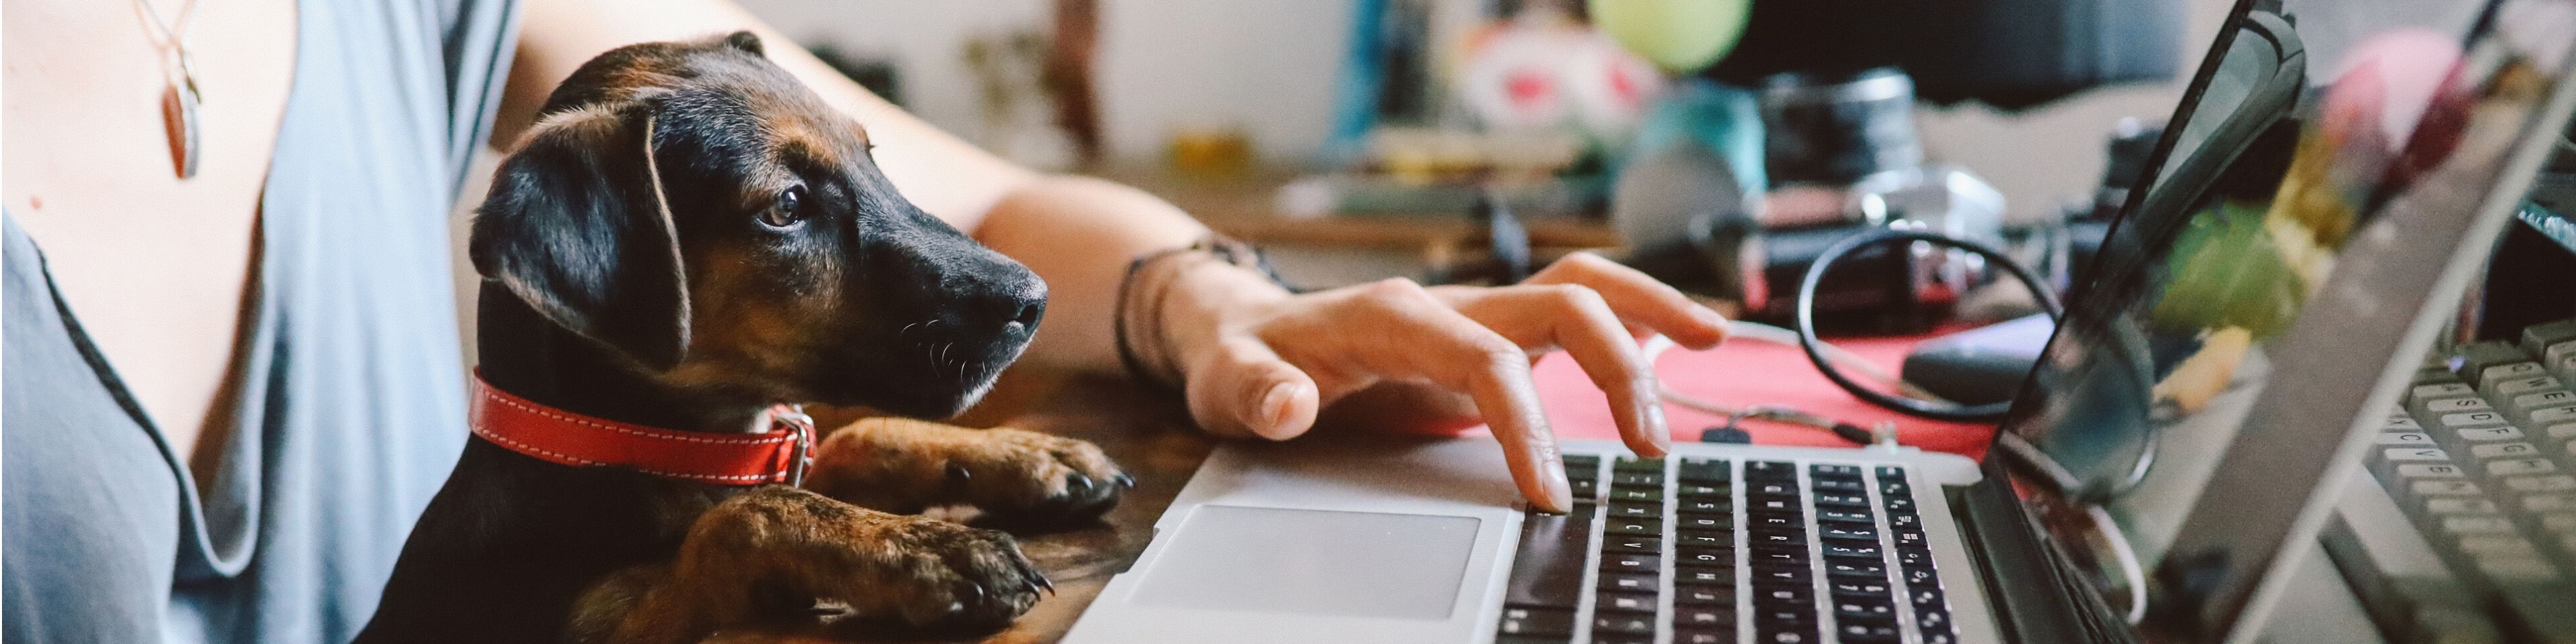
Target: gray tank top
(351,407)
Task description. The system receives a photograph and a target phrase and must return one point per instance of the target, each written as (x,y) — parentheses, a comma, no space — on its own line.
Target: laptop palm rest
(1347,539)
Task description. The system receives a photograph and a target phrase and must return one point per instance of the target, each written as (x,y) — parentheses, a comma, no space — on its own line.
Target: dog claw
(1045,583)
(1126,481)
(959,476)
(1077,483)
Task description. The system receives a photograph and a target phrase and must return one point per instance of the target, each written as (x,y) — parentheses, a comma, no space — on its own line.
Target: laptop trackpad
(1359,564)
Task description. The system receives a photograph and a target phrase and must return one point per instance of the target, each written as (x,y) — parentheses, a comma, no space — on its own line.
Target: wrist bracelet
(1138,303)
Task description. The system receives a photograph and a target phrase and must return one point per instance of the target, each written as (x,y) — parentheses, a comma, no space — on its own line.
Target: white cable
(2127,557)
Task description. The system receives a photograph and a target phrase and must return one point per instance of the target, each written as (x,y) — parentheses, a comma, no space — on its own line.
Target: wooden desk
(1147,433)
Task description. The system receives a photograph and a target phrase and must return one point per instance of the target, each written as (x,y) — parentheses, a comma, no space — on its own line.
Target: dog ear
(577,227)
(746,41)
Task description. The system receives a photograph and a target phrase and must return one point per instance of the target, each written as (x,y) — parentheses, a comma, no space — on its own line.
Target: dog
(688,238)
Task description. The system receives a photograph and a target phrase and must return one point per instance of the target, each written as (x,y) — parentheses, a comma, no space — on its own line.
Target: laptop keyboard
(1708,550)
(2482,459)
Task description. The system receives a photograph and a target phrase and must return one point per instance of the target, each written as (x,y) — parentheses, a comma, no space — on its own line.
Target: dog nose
(1027,318)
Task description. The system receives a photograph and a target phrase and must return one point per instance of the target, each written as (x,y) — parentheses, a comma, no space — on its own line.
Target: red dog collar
(779,455)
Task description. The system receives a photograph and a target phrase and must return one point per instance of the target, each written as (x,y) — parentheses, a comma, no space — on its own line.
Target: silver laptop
(2170,458)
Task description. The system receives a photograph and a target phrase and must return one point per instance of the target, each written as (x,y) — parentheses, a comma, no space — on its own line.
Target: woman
(264,350)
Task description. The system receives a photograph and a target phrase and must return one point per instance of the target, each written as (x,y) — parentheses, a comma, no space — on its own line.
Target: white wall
(1267,68)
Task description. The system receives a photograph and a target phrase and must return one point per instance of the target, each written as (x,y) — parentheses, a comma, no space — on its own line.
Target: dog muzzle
(779,455)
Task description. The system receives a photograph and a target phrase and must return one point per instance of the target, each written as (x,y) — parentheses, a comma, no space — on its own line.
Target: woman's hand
(1257,361)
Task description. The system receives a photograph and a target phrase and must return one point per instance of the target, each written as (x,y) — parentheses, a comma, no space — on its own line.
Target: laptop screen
(2334,173)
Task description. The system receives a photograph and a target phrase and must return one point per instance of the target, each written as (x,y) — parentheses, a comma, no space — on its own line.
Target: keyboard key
(1796,573)
(1918,577)
(1772,503)
(1703,491)
(1626,603)
(1631,543)
(1770,471)
(1852,471)
(1635,510)
(1844,501)
(1582,462)
(1704,470)
(1624,624)
(1704,576)
(2520,466)
(1833,515)
(1705,538)
(1891,473)
(1548,570)
(1910,538)
(1704,522)
(1853,550)
(1704,596)
(1584,488)
(2558,483)
(1696,635)
(1772,489)
(1783,594)
(1839,486)
(1762,554)
(1648,582)
(1847,532)
(1911,558)
(1842,586)
(1624,464)
(1630,562)
(1855,568)
(1777,538)
(1706,558)
(1759,518)
(1526,620)
(1637,494)
(1904,520)
(1637,479)
(1705,506)
(1899,488)
(1636,527)
(1866,608)
(1702,616)
(1900,504)
(1866,632)
(1922,597)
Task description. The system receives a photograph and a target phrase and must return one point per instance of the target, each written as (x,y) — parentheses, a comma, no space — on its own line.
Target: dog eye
(788,210)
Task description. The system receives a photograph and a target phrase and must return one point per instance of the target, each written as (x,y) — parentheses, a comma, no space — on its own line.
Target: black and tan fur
(642,263)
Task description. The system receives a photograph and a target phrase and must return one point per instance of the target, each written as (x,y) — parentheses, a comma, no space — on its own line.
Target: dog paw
(784,554)
(1019,479)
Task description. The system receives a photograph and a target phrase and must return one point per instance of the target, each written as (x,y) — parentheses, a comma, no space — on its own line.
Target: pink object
(1744,373)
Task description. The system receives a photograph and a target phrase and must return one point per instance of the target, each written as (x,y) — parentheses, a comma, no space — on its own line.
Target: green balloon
(1680,36)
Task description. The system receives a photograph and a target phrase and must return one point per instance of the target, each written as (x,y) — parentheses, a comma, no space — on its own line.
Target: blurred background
(1710,141)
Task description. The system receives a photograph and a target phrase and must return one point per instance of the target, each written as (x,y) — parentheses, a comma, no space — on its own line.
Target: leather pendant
(179,112)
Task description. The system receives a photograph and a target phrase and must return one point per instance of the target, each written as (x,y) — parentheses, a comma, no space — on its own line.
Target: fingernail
(1560,492)
(1270,418)
(1658,430)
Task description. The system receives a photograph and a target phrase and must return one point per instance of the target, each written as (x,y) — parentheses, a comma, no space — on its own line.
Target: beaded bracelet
(1135,314)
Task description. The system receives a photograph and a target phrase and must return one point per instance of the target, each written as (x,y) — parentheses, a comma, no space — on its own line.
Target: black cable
(1806,321)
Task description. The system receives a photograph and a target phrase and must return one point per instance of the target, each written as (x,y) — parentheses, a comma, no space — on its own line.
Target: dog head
(698,212)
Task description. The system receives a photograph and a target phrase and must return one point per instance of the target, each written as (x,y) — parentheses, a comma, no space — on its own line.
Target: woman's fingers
(1578,320)
(1411,335)
(1639,299)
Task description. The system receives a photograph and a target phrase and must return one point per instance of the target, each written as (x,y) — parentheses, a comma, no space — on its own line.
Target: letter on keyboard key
(2419,439)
